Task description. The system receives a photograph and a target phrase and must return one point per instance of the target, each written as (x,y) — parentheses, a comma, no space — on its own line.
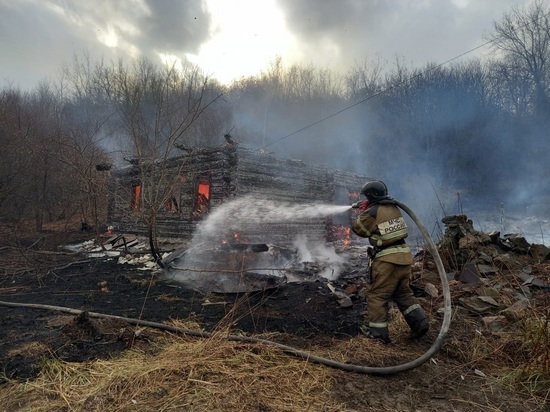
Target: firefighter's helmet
(374,189)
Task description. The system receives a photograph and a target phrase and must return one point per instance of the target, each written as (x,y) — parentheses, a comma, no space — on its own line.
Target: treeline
(477,126)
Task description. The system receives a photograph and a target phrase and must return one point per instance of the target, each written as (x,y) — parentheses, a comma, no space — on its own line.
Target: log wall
(232,171)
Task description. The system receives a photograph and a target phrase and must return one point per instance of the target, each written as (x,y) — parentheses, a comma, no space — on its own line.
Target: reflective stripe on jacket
(393,249)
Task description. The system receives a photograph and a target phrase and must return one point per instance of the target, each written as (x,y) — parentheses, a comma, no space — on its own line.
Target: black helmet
(374,190)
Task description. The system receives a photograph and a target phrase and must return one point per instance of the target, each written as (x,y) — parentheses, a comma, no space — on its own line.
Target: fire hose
(386,370)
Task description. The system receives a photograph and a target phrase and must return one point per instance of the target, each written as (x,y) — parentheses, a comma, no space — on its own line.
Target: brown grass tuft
(186,374)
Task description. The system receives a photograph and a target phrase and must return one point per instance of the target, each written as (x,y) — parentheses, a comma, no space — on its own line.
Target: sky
(231,39)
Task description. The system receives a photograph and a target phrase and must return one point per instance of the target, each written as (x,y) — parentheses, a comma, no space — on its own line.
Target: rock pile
(490,275)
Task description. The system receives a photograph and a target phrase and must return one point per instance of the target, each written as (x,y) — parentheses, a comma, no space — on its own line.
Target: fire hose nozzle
(356,205)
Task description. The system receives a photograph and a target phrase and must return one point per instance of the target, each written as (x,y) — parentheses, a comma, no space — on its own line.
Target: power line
(390,88)
(375,95)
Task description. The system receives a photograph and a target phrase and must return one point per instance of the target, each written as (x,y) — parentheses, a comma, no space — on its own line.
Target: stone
(485,257)
(495,323)
(468,241)
(489,300)
(469,274)
(516,243)
(486,270)
(431,290)
(539,252)
(517,311)
(479,306)
(488,291)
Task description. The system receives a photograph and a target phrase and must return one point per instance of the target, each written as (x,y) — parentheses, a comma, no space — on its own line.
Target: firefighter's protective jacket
(384,226)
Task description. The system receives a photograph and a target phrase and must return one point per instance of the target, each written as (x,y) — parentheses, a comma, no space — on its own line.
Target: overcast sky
(234,38)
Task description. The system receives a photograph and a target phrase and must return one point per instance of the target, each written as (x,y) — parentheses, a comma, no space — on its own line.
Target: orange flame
(342,233)
(239,238)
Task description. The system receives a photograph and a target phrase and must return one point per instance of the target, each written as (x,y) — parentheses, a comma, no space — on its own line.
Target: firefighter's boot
(418,323)
(380,334)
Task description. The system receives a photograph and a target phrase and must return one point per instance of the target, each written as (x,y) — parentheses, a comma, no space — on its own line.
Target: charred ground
(302,310)
(301,314)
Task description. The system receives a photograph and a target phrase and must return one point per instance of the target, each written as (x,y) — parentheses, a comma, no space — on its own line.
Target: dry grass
(185,374)
(194,374)
(214,374)
(517,359)
(532,371)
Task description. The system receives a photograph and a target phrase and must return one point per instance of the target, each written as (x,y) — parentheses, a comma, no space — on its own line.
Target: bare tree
(160,109)
(522,38)
(364,80)
(507,86)
(15,160)
(39,179)
(141,112)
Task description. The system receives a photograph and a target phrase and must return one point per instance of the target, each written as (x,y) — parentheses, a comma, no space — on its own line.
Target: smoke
(439,147)
(497,163)
(237,216)
(304,254)
(439,140)
(331,262)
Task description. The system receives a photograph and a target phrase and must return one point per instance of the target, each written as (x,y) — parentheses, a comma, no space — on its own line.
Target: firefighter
(390,259)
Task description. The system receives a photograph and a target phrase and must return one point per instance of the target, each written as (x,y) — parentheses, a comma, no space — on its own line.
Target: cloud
(173,26)
(152,27)
(420,31)
(34,41)
(39,36)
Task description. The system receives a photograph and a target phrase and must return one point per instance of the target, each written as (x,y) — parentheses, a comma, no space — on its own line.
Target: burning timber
(200,180)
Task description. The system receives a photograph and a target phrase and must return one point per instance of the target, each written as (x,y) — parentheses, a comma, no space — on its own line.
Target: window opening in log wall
(202,202)
(136,194)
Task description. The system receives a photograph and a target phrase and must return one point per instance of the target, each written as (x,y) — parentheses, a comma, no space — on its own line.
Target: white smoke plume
(326,256)
(239,214)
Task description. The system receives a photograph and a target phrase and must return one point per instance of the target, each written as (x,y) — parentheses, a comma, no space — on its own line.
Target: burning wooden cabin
(185,188)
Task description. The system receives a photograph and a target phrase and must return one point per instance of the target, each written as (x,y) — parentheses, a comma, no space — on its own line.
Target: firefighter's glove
(363,205)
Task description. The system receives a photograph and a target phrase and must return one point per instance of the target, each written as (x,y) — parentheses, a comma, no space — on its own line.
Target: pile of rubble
(126,248)
(490,275)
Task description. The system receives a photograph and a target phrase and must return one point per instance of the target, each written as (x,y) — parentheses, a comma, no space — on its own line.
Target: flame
(204,189)
(346,236)
(238,238)
(342,233)
(202,204)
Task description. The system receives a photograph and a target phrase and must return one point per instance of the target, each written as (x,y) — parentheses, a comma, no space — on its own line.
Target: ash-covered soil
(305,310)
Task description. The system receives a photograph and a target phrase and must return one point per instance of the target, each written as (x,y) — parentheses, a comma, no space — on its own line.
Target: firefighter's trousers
(389,282)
